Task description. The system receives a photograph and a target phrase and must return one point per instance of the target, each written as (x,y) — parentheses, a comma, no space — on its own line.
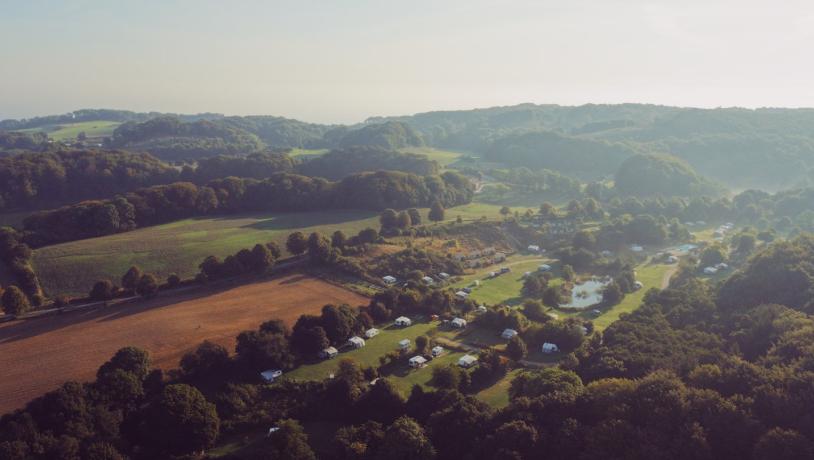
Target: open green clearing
(178,247)
(307,152)
(443,157)
(66,131)
(506,288)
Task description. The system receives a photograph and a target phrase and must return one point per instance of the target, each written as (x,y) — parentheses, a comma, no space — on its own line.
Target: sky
(342,61)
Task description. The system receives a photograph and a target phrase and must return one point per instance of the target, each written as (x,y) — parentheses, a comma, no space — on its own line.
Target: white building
(404,344)
(328,353)
(389,279)
(458,323)
(436,351)
(403,321)
(550,348)
(467,361)
(372,332)
(271,374)
(356,342)
(508,333)
(417,361)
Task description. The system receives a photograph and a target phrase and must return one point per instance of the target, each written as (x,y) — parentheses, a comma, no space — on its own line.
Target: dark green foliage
(207,359)
(405,440)
(516,348)
(261,350)
(644,175)
(14,302)
(102,290)
(550,382)
(181,421)
(343,162)
(388,135)
(147,286)
(289,442)
(131,279)
(436,212)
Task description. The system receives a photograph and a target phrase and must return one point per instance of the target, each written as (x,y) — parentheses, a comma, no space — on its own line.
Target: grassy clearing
(476,210)
(443,157)
(307,152)
(67,131)
(178,247)
(497,395)
(506,288)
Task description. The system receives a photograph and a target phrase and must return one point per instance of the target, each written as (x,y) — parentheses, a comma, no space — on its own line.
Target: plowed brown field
(38,355)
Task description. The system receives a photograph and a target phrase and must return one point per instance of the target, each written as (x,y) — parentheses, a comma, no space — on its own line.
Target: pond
(587,294)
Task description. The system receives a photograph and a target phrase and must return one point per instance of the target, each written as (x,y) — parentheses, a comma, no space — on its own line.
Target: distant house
(443,275)
(389,279)
(404,344)
(436,351)
(544,268)
(461,295)
(356,342)
(403,321)
(710,270)
(271,374)
(427,280)
(467,361)
(372,332)
(328,353)
(458,323)
(550,348)
(508,333)
(418,361)
(533,248)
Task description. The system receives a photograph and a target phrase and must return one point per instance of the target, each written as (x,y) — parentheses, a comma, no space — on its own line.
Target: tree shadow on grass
(295,220)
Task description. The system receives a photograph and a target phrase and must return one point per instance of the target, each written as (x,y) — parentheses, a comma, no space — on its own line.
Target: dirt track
(38,355)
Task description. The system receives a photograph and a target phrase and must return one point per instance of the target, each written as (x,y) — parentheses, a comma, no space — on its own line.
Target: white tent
(458,323)
(403,321)
(356,342)
(417,361)
(508,333)
(467,361)
(550,347)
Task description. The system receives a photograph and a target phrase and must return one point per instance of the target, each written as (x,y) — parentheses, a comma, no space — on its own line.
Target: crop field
(65,131)
(506,288)
(38,355)
(178,247)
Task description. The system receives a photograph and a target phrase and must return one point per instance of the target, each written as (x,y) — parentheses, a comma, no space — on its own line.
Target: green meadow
(505,288)
(65,131)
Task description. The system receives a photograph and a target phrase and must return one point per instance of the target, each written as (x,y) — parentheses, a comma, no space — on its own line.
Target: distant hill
(648,175)
(342,162)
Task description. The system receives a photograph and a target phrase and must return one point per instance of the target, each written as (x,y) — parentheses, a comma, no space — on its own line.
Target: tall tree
(131,279)
(14,301)
(181,421)
(436,212)
(296,243)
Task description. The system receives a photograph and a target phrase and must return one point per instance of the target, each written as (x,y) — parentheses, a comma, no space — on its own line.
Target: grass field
(178,247)
(497,395)
(506,288)
(307,152)
(65,131)
(38,355)
(476,210)
(443,157)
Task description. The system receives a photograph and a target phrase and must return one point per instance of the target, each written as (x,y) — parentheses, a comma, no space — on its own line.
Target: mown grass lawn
(497,395)
(505,288)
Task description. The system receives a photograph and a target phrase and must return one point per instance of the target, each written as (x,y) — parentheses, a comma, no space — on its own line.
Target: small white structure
(710,270)
(372,332)
(417,361)
(389,279)
(427,280)
(458,323)
(404,344)
(403,321)
(508,333)
(461,295)
(672,259)
(271,374)
(636,248)
(328,353)
(492,274)
(481,309)
(544,268)
(466,361)
(436,351)
(443,276)
(272,430)
(476,283)
(549,347)
(356,342)
(722,266)
(533,248)
(638,285)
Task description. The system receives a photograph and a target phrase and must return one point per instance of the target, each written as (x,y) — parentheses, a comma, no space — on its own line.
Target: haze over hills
(743,148)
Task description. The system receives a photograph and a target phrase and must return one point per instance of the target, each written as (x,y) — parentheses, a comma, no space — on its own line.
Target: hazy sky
(345,60)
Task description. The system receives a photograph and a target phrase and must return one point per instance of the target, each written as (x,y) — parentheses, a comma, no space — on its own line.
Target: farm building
(404,344)
(427,280)
(271,374)
(467,361)
(403,321)
(458,323)
(436,351)
(328,353)
(550,348)
(508,333)
(372,332)
(417,361)
(356,342)
(389,279)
